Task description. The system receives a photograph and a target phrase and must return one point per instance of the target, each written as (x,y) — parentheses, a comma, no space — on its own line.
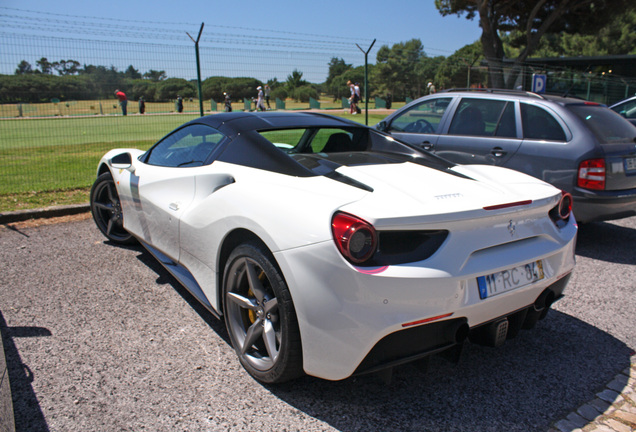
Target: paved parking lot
(101,338)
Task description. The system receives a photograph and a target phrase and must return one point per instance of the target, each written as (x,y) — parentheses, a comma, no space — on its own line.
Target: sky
(336,25)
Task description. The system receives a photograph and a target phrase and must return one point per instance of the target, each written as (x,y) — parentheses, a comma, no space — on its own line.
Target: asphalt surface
(101,338)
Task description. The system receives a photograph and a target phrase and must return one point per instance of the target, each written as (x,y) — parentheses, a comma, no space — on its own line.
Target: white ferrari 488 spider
(332,249)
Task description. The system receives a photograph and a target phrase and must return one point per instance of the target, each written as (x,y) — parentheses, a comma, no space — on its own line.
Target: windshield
(605,124)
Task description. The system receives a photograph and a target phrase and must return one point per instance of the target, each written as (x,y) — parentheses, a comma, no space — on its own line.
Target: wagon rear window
(605,124)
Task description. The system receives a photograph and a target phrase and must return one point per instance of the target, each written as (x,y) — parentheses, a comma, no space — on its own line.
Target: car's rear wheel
(260,316)
(106,210)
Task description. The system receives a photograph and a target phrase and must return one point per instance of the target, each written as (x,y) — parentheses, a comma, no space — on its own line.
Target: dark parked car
(626,108)
(581,147)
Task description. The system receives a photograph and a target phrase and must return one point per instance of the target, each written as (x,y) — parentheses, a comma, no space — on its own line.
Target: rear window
(605,124)
(318,140)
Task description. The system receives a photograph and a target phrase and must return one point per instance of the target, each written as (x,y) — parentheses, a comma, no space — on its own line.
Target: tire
(106,210)
(260,316)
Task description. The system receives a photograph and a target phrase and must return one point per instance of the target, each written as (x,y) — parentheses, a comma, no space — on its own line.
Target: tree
(425,70)
(334,84)
(618,37)
(531,20)
(173,87)
(132,73)
(46,67)
(154,75)
(395,72)
(237,88)
(456,70)
(24,67)
(295,80)
(66,67)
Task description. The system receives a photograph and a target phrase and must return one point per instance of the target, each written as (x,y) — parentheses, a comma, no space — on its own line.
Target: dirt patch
(32,223)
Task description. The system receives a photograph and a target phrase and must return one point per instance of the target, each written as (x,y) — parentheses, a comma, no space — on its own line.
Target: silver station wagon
(581,147)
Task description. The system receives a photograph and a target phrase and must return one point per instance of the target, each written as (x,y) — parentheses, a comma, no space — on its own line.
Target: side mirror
(121,161)
(382,126)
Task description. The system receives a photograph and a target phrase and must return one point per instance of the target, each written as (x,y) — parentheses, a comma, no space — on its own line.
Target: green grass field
(52,161)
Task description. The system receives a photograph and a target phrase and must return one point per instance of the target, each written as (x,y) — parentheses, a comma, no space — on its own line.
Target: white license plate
(630,164)
(510,279)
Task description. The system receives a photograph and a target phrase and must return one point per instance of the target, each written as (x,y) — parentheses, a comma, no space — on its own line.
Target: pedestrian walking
(353,102)
(267,90)
(260,106)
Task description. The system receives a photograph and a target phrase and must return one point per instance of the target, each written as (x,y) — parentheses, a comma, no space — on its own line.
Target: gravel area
(101,338)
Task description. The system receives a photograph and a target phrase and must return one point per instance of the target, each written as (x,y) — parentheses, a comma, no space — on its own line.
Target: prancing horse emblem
(512,227)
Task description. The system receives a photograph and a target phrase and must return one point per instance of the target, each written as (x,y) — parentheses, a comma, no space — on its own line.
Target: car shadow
(164,277)
(608,242)
(525,385)
(28,415)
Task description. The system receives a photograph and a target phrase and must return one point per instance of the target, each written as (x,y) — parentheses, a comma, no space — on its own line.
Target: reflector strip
(427,320)
(371,270)
(513,204)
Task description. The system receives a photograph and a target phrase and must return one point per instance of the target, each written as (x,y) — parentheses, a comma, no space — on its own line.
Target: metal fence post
(196,50)
(366,86)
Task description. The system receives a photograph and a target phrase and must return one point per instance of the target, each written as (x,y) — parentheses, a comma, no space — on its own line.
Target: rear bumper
(355,322)
(604,205)
(419,342)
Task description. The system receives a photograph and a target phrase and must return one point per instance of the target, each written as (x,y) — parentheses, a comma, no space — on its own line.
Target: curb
(48,212)
(613,409)
(7,418)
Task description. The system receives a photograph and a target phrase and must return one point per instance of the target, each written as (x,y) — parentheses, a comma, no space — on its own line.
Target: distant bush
(303,93)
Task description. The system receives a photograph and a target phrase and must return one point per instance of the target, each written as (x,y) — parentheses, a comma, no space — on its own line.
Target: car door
(163,185)
(420,124)
(482,131)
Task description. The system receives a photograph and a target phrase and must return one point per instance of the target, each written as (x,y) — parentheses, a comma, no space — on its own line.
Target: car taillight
(560,214)
(592,174)
(565,205)
(355,238)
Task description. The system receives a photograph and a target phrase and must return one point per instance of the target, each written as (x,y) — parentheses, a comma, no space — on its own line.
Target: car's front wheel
(260,316)
(106,210)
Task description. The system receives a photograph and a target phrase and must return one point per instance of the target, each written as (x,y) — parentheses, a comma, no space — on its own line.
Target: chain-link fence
(59,112)
(55,125)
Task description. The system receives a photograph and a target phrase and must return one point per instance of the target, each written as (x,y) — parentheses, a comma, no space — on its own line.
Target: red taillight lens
(592,174)
(354,237)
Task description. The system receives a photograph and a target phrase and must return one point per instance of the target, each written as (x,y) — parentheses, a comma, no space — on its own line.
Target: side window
(507,126)
(484,117)
(187,147)
(627,110)
(540,124)
(422,118)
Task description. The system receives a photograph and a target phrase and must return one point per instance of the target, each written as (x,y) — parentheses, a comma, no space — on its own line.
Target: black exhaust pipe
(539,309)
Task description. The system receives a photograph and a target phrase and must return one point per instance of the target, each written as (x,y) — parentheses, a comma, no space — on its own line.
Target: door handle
(173,206)
(426,145)
(498,152)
